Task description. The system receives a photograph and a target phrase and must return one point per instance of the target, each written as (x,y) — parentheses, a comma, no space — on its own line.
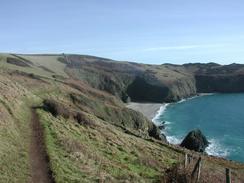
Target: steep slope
(124,79)
(218,78)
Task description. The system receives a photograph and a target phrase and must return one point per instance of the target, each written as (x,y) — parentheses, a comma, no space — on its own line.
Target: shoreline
(150,110)
(153,110)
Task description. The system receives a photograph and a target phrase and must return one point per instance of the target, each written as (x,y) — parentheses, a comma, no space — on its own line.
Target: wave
(182,100)
(189,98)
(167,122)
(173,139)
(164,106)
(216,149)
(204,94)
(186,99)
(161,110)
(195,96)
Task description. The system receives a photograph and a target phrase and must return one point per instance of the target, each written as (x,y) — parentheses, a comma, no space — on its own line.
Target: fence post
(186,160)
(228,175)
(197,167)
(189,158)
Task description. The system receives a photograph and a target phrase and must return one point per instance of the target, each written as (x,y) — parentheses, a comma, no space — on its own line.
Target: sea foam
(216,149)
(195,96)
(173,139)
(161,110)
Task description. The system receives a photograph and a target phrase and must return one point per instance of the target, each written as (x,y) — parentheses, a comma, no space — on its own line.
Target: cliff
(218,78)
(127,80)
(154,83)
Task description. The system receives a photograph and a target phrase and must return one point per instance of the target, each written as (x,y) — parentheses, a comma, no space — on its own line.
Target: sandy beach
(148,109)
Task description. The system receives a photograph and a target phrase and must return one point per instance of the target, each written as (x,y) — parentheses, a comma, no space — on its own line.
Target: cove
(219,116)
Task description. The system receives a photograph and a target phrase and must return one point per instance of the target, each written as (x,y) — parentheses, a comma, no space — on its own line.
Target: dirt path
(40,170)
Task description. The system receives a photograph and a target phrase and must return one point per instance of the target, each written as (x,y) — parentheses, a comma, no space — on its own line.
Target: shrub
(55,108)
(82,119)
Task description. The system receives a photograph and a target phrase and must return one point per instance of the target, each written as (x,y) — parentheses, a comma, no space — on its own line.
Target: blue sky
(148,31)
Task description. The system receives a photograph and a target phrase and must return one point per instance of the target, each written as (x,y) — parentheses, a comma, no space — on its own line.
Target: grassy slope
(101,153)
(49,62)
(79,152)
(14,130)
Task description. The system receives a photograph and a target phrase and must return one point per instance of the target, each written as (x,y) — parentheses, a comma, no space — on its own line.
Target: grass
(15,102)
(49,62)
(83,153)
(62,162)
(14,135)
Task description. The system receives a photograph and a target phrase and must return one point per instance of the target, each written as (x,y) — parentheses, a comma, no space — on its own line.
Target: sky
(145,31)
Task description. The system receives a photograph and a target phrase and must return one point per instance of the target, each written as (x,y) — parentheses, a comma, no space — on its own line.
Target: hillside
(218,78)
(64,119)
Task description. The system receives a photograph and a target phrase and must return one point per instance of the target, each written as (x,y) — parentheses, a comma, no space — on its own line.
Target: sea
(219,116)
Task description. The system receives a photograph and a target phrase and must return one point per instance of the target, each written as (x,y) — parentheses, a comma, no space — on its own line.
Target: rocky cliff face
(141,90)
(182,88)
(131,81)
(220,83)
(218,78)
(154,83)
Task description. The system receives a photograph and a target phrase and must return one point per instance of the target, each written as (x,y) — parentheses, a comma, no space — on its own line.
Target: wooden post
(186,160)
(197,167)
(228,175)
(189,159)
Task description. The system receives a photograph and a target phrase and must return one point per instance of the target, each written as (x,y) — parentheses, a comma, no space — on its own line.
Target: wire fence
(198,169)
(207,171)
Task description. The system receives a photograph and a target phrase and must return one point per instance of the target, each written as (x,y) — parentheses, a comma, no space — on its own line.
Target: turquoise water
(219,116)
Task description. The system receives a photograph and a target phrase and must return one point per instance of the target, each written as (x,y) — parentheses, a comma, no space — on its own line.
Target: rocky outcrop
(195,140)
(154,132)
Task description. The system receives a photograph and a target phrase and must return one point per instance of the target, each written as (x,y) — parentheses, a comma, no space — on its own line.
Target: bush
(82,119)
(55,108)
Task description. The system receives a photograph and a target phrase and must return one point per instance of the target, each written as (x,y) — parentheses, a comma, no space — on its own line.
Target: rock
(161,127)
(154,132)
(195,140)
